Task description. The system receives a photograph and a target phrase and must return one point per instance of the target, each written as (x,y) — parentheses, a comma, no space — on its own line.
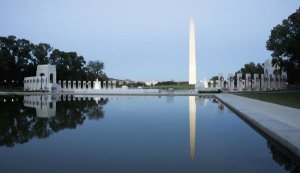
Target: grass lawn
(286,98)
(175,87)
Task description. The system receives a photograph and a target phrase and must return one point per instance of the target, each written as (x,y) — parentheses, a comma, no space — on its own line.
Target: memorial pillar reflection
(192,111)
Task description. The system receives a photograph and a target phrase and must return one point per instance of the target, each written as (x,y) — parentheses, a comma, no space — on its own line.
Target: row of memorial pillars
(73,98)
(86,84)
(257,82)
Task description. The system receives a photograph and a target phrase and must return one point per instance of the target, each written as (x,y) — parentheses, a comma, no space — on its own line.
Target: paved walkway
(279,122)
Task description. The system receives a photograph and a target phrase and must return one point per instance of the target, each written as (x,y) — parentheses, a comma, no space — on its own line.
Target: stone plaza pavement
(279,122)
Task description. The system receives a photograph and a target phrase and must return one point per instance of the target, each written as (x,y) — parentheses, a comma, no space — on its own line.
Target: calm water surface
(130,134)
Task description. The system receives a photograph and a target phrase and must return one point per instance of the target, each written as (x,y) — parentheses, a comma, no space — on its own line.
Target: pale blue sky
(145,40)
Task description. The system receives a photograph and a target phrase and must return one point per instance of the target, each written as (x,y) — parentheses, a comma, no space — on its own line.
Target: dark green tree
(42,52)
(251,68)
(95,70)
(19,58)
(284,42)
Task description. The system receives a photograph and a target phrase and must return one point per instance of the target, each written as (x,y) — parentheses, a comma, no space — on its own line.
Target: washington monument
(192,54)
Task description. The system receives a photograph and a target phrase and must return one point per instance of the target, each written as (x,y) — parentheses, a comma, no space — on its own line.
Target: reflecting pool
(131,134)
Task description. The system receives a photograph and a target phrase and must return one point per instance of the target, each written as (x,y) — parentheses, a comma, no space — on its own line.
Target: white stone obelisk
(192,54)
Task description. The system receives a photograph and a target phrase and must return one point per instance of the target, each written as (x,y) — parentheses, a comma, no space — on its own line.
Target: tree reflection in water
(19,124)
(283,160)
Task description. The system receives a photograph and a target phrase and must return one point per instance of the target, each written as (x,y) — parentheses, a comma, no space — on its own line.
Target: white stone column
(59,83)
(89,85)
(231,81)
(69,85)
(271,81)
(109,84)
(64,84)
(254,84)
(74,84)
(104,84)
(262,82)
(247,81)
(84,85)
(114,83)
(64,97)
(268,83)
(79,84)
(239,81)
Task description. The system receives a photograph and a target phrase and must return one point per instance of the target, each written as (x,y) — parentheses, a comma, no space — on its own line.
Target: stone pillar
(239,81)
(262,82)
(231,82)
(74,85)
(248,81)
(79,84)
(89,85)
(114,84)
(104,84)
(59,83)
(267,82)
(256,82)
(109,84)
(69,85)
(271,82)
(64,84)
(84,85)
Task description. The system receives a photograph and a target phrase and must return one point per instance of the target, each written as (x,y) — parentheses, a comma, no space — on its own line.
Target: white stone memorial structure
(45,79)
(248,81)
(256,82)
(79,85)
(114,83)
(74,84)
(84,84)
(104,84)
(69,84)
(262,82)
(239,81)
(64,84)
(89,85)
(109,84)
(230,81)
(192,53)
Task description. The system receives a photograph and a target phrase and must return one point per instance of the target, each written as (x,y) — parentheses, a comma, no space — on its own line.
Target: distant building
(45,79)
(151,83)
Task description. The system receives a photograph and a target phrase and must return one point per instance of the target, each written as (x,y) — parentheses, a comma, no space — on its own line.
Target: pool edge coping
(289,145)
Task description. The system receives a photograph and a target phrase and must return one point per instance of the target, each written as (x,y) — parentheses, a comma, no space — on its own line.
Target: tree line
(284,42)
(19,58)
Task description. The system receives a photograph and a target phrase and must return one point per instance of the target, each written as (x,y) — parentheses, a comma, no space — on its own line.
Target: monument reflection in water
(193,101)
(199,133)
(45,105)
